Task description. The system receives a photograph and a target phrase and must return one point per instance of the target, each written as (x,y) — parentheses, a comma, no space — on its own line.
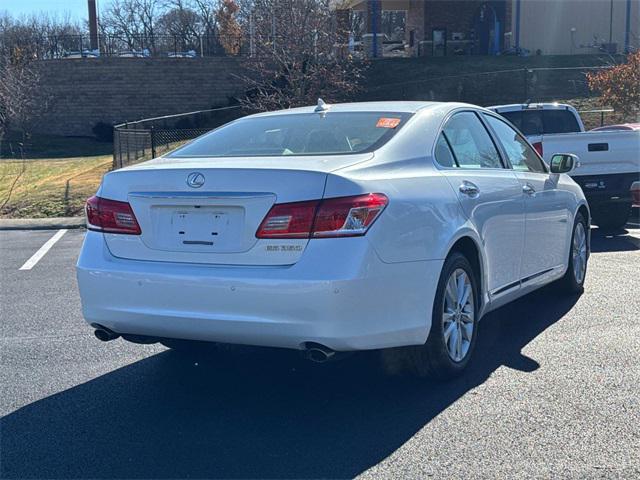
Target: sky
(77,9)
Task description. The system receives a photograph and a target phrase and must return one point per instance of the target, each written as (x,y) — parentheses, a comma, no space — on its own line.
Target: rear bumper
(340,294)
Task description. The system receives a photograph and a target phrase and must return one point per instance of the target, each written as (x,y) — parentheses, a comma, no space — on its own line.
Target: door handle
(528,189)
(468,188)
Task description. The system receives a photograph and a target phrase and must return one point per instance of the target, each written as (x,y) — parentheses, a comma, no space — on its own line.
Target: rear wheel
(612,217)
(453,333)
(573,279)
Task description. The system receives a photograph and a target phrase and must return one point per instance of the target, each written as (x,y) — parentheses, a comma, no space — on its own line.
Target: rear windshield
(298,134)
(542,122)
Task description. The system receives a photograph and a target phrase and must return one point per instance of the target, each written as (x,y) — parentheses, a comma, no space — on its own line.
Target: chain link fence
(135,142)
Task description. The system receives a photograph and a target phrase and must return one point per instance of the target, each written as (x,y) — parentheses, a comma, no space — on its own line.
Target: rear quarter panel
(423,214)
(421,218)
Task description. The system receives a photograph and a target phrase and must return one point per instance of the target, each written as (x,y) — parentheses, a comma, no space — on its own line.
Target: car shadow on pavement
(613,241)
(254,413)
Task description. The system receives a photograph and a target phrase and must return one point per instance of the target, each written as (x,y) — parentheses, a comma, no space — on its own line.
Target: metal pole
(627,29)
(273,30)
(252,32)
(610,24)
(374,27)
(153,142)
(517,28)
(128,149)
(115,155)
(315,44)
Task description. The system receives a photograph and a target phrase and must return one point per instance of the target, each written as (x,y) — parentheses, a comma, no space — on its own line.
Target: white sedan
(333,228)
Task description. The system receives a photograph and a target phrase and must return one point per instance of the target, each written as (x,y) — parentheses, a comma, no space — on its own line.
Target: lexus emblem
(195,180)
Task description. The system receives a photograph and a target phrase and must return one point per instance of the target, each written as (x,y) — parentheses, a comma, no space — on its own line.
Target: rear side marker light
(328,218)
(111,216)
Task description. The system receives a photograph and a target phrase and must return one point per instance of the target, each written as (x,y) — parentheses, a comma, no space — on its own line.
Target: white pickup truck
(609,159)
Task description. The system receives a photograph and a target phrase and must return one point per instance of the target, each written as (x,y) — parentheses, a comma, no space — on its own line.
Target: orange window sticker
(384,122)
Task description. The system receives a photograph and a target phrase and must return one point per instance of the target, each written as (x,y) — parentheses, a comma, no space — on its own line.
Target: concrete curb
(41,223)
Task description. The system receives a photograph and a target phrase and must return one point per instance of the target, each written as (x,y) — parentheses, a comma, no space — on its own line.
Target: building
(481,27)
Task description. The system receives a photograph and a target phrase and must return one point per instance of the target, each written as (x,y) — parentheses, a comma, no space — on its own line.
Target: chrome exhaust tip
(104,334)
(319,353)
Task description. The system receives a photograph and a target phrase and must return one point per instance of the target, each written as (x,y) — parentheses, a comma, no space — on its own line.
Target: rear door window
(470,142)
(518,150)
(444,156)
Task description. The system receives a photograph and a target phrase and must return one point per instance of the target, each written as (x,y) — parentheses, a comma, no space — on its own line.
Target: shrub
(230,31)
(619,86)
(103,132)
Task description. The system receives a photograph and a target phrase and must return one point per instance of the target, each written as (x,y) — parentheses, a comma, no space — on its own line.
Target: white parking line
(29,264)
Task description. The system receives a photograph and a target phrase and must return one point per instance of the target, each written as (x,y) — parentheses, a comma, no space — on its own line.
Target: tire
(573,280)
(435,358)
(612,217)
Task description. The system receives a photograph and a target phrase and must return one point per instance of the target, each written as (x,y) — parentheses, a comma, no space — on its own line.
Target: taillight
(111,216)
(538,148)
(332,217)
(348,216)
(288,220)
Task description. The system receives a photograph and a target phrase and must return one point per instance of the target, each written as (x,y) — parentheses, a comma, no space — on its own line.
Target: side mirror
(564,163)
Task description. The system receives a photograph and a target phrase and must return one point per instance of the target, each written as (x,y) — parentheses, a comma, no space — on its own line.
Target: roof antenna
(322,107)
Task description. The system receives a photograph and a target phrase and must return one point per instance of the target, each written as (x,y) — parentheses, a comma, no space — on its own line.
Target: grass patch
(55,177)
(49,188)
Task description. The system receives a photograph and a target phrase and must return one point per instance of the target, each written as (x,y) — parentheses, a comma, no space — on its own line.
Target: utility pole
(627,29)
(610,23)
(374,25)
(93,24)
(517,28)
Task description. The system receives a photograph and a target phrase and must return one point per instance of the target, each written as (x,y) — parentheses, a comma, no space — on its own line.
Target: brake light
(538,148)
(348,216)
(111,216)
(332,217)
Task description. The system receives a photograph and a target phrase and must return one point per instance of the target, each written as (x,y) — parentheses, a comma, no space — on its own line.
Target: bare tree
(180,19)
(134,20)
(39,35)
(296,60)
(19,96)
(206,10)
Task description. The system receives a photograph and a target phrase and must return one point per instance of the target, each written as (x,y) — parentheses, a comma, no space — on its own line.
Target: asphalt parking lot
(554,391)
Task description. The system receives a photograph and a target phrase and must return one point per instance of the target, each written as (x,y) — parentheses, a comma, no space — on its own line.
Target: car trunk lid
(216,222)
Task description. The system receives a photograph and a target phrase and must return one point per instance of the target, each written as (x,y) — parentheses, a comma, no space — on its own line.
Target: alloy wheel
(458,315)
(579,252)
